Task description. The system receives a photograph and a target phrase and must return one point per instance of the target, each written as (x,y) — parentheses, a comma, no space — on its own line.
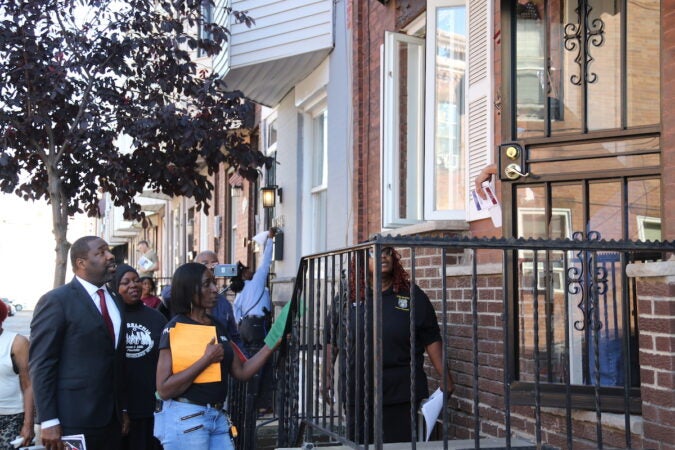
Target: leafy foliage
(108,95)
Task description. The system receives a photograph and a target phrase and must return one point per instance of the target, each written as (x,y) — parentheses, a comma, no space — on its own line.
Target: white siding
(282,28)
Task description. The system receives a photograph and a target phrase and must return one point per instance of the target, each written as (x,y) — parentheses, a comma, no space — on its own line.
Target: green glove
(278,327)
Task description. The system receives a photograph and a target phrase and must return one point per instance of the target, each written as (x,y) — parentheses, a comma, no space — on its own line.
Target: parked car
(10,306)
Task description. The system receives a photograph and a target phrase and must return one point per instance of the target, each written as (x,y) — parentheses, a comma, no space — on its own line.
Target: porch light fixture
(269,196)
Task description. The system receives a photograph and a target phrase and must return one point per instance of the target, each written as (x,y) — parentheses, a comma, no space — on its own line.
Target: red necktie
(104,313)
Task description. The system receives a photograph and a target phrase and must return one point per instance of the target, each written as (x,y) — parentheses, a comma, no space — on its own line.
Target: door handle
(513,172)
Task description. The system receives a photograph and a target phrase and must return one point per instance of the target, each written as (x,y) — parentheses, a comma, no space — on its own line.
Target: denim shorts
(184,426)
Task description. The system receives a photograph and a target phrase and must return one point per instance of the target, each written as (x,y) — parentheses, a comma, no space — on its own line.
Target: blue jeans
(183,426)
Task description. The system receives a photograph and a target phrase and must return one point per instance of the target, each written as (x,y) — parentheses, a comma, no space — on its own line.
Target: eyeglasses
(386,251)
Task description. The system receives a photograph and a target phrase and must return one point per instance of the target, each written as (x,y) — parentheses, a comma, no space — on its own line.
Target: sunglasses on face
(387,251)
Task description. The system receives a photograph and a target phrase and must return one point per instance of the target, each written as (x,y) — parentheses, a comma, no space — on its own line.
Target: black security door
(580,159)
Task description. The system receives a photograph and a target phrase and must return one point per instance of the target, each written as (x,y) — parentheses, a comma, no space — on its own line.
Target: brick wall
(668,117)
(369,21)
(656,320)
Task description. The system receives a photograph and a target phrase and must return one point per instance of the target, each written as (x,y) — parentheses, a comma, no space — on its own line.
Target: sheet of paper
(187,346)
(490,203)
(431,409)
(144,263)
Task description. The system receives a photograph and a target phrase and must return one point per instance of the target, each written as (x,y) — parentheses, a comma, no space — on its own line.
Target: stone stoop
(266,434)
(463,444)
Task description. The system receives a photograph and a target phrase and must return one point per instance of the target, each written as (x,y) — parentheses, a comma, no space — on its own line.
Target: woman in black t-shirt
(192,415)
(144,326)
(351,331)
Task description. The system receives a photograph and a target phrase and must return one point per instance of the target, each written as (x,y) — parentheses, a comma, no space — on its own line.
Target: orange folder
(187,346)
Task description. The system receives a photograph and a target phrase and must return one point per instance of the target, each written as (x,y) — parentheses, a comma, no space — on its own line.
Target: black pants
(253,330)
(108,437)
(395,423)
(140,435)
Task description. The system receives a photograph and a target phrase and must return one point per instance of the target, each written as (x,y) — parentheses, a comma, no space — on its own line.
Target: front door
(580,159)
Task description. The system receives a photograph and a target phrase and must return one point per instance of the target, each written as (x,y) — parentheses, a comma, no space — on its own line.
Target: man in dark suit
(77,353)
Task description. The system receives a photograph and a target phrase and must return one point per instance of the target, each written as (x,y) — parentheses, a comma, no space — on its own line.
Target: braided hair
(357,277)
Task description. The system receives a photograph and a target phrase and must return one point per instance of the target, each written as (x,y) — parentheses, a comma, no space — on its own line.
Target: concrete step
(460,444)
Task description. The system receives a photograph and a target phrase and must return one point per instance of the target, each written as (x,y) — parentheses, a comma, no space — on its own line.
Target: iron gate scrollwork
(581,36)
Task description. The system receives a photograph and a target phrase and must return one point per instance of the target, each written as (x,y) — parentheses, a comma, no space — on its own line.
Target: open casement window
(403,130)
(437,116)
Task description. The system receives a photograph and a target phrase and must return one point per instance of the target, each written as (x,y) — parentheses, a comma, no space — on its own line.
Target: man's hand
(51,438)
(484,175)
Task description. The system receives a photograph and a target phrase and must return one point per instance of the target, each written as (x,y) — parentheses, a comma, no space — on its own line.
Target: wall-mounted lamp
(269,196)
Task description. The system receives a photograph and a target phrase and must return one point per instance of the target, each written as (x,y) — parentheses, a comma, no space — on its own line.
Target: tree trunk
(59,205)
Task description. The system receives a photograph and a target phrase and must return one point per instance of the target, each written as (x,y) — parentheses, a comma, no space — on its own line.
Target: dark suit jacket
(77,373)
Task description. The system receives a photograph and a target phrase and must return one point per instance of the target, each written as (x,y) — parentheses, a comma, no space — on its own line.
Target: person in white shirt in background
(252,312)
(16,391)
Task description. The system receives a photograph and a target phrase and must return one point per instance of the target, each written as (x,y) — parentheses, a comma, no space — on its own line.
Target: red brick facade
(656,308)
(668,117)
(369,21)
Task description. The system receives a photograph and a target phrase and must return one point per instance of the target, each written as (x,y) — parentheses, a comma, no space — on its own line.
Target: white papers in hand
(431,409)
(261,238)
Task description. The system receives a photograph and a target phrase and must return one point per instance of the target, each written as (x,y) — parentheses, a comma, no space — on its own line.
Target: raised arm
(244,371)
(260,275)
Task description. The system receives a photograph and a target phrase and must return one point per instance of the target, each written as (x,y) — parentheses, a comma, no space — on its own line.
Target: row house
(570,101)
(380,114)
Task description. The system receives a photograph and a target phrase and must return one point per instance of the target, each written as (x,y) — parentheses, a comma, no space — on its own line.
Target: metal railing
(527,328)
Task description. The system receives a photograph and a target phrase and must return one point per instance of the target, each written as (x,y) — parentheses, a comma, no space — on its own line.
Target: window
(271,135)
(207,16)
(403,138)
(445,112)
(319,184)
(436,103)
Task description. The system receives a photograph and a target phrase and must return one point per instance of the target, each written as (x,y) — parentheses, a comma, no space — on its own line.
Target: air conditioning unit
(217,226)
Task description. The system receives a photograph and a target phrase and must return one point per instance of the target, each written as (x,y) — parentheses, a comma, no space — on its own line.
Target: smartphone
(225,270)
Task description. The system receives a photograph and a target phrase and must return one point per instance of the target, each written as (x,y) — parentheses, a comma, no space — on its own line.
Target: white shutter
(480,131)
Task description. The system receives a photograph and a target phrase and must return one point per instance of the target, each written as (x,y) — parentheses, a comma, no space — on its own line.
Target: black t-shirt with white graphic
(144,328)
